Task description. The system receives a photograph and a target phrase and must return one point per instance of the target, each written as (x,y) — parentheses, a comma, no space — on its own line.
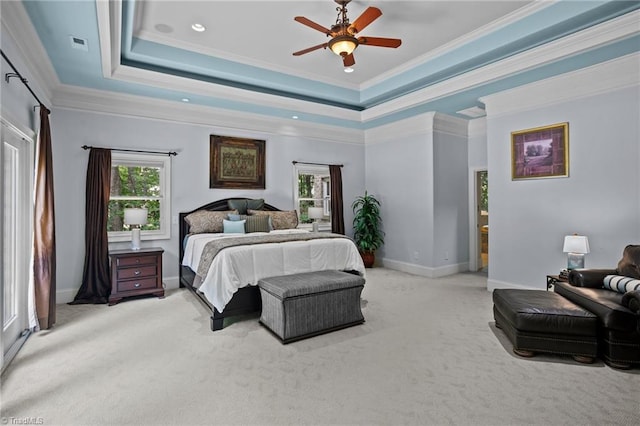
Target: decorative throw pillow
(237,216)
(233,226)
(255,204)
(279,220)
(620,283)
(257,223)
(207,221)
(242,205)
(629,265)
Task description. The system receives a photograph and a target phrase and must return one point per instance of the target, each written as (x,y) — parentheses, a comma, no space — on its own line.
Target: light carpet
(428,354)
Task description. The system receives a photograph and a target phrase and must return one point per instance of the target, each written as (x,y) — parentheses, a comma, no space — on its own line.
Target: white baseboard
(494,284)
(67,295)
(425,271)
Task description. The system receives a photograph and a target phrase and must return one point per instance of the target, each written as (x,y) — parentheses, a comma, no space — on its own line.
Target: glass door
(16,236)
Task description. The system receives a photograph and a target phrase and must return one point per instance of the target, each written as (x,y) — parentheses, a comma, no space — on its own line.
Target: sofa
(618,311)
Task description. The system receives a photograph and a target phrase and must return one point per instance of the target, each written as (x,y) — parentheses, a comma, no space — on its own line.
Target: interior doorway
(482,209)
(479,220)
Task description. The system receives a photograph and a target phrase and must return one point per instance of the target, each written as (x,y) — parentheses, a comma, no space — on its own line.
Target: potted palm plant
(367,225)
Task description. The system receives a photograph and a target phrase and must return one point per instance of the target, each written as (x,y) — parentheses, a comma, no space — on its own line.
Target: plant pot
(368,258)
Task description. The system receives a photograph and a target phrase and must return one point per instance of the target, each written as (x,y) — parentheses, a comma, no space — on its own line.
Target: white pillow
(620,283)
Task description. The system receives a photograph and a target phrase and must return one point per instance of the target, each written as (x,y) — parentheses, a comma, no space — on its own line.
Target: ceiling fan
(343,33)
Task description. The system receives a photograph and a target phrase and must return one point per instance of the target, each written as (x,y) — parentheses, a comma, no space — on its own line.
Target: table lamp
(316,213)
(135,218)
(575,246)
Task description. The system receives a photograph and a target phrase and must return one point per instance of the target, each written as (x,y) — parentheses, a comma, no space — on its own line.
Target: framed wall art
(236,163)
(542,152)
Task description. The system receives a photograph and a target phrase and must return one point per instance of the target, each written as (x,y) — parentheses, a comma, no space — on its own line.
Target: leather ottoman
(543,321)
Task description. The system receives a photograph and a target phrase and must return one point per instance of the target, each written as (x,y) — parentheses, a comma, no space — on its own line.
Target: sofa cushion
(606,304)
(620,283)
(629,265)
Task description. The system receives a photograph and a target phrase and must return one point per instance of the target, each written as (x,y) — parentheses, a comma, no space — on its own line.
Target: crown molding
(608,76)
(110,28)
(72,97)
(421,124)
(39,69)
(450,125)
(510,18)
(608,32)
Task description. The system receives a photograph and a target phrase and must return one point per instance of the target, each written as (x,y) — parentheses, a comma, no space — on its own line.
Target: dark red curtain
(44,232)
(337,213)
(96,278)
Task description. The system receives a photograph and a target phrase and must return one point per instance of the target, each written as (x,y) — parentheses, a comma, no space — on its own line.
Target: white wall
(17,103)
(399,159)
(190,176)
(418,170)
(601,196)
(451,202)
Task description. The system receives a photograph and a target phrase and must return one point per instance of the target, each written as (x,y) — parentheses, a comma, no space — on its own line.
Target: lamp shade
(576,244)
(316,212)
(343,45)
(135,216)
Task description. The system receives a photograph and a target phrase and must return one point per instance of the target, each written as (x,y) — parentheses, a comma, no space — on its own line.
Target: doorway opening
(482,183)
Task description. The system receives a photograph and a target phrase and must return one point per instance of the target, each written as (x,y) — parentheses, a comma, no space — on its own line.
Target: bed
(228,285)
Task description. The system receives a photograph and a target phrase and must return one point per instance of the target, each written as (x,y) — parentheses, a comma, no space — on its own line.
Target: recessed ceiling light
(198,27)
(185,99)
(348,69)
(295,117)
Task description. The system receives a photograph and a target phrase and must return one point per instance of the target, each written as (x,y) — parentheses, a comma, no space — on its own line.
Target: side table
(135,273)
(552,279)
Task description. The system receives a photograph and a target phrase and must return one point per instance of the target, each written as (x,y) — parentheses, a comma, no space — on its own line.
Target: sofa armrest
(631,300)
(589,277)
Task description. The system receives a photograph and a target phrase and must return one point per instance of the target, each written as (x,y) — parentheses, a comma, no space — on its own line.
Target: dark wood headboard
(215,206)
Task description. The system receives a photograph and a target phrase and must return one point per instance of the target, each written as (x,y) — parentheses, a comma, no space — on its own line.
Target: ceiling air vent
(79,43)
(473,112)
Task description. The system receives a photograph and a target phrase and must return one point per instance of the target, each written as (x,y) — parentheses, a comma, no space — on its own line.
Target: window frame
(163,162)
(326,199)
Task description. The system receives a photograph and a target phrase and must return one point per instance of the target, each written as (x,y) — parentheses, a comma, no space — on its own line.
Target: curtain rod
(316,164)
(24,81)
(170,153)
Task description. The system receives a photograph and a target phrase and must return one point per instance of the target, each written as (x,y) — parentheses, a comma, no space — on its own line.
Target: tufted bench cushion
(303,305)
(543,321)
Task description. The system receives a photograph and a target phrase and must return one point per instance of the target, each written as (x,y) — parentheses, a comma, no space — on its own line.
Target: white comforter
(239,266)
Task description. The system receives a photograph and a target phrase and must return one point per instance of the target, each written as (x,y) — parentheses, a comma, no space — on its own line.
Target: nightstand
(552,279)
(135,273)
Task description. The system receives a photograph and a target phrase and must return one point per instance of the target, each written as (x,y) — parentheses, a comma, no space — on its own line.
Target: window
(140,180)
(312,188)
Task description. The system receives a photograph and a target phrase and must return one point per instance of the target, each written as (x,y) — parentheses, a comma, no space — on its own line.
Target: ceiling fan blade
(349,60)
(380,41)
(310,23)
(367,17)
(309,49)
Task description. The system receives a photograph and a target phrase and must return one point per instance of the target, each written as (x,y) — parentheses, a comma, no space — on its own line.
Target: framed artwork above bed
(236,163)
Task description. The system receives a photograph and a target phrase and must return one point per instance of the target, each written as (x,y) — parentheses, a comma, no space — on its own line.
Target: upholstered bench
(543,321)
(303,305)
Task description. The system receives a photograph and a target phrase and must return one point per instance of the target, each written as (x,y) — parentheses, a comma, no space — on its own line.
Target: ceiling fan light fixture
(348,69)
(343,45)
